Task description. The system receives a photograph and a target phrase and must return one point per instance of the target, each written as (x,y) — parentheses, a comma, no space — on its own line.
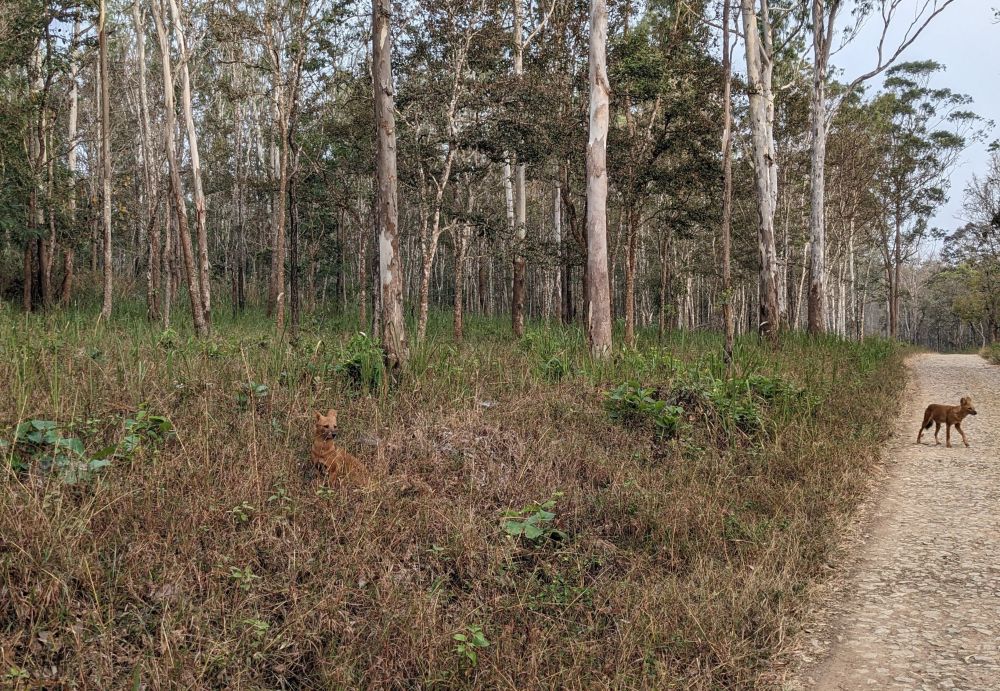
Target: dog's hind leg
(947,434)
(937,428)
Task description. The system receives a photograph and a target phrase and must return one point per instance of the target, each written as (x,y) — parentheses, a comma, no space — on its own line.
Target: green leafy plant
(555,368)
(242,512)
(362,362)
(251,391)
(65,456)
(258,627)
(468,642)
(533,522)
(245,577)
(143,429)
(168,339)
(630,404)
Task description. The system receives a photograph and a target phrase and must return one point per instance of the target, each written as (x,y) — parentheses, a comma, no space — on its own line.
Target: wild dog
(937,413)
(337,461)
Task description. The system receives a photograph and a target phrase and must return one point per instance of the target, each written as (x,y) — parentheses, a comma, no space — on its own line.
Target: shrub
(362,362)
(992,353)
(630,404)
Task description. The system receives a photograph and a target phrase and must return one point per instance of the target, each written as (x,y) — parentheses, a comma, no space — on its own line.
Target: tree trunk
(822,27)
(894,280)
(557,298)
(200,211)
(153,232)
(293,259)
(74,110)
(599,291)
(630,250)
(102,42)
(390,266)
(727,189)
(176,190)
(765,168)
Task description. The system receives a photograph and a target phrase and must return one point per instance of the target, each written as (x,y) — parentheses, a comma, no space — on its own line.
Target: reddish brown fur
(337,461)
(949,415)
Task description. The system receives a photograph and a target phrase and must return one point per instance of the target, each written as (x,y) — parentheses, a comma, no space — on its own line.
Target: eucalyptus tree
(976,245)
(759,51)
(176,186)
(599,293)
(105,81)
(823,19)
(926,129)
(390,265)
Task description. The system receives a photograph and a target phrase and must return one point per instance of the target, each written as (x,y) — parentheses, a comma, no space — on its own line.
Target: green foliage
(168,339)
(992,353)
(632,405)
(362,362)
(555,368)
(534,522)
(244,577)
(469,641)
(43,442)
(242,512)
(251,391)
(145,429)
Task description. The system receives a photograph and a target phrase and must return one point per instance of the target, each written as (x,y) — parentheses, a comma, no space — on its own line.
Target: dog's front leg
(958,426)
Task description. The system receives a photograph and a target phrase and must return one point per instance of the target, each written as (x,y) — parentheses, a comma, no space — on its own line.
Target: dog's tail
(927,425)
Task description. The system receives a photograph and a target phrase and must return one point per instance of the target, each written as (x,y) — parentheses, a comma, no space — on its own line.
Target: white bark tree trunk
(727,188)
(599,294)
(102,39)
(823,19)
(71,135)
(200,210)
(759,70)
(149,177)
(390,266)
(176,188)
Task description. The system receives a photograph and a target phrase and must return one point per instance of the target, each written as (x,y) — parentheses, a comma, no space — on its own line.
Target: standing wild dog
(949,415)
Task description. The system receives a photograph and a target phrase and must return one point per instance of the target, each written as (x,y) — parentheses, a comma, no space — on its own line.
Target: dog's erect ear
(318,416)
(965,400)
(331,412)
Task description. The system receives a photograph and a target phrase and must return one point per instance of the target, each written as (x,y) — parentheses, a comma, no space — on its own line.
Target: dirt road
(922,606)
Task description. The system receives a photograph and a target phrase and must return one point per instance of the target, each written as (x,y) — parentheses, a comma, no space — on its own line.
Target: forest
(591,284)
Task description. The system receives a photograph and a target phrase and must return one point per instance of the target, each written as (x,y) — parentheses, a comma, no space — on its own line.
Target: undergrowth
(534,519)
(992,353)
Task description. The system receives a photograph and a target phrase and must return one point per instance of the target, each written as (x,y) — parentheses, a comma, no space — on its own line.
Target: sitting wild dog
(949,415)
(338,463)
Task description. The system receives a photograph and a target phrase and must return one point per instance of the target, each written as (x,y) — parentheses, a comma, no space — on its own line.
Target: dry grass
(213,560)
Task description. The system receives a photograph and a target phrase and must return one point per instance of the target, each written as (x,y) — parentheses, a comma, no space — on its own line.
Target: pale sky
(966,40)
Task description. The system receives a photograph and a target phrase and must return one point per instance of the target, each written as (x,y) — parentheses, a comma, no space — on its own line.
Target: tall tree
(823,15)
(519,196)
(599,289)
(727,187)
(926,129)
(390,265)
(102,42)
(176,187)
(759,51)
(148,174)
(200,207)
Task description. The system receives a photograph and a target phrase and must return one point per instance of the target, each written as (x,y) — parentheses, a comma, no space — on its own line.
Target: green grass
(992,353)
(206,556)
